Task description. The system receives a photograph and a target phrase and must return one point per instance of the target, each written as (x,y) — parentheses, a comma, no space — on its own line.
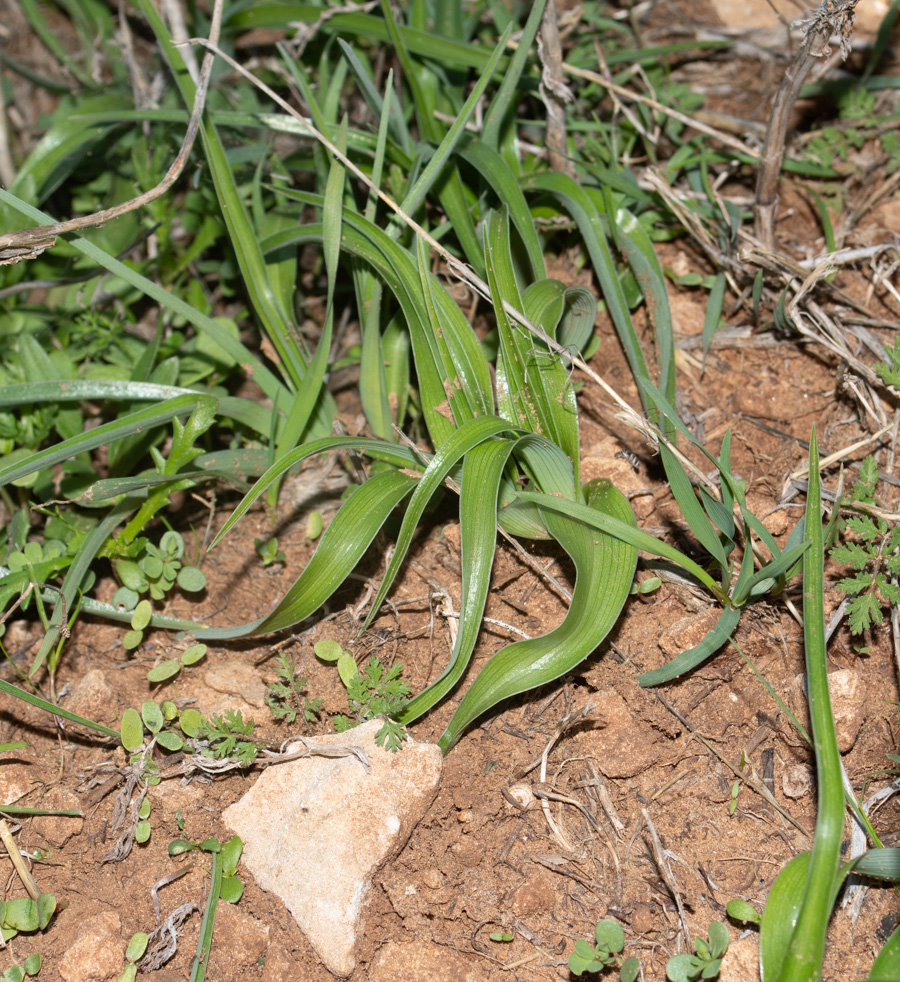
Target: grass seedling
(606,952)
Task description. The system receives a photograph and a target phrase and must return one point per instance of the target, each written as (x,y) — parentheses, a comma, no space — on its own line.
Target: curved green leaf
(470,435)
(482,470)
(341,547)
(692,657)
(604,572)
(780,916)
(886,966)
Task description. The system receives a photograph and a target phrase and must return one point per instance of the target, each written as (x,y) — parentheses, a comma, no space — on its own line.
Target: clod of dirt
(231,685)
(247,937)
(423,963)
(316,830)
(93,697)
(797,781)
(741,961)
(623,747)
(687,633)
(97,954)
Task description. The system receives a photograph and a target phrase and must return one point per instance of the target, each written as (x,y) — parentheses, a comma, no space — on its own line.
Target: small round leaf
(151,567)
(231,854)
(152,716)
(609,935)
(328,650)
(164,671)
(347,668)
(211,844)
(46,903)
(740,910)
(125,599)
(33,963)
(193,654)
(630,970)
(232,889)
(132,640)
(314,525)
(172,544)
(178,847)
(191,579)
(22,914)
(145,807)
(142,831)
(15,973)
(136,946)
(128,974)
(170,740)
(132,730)
(190,721)
(170,710)
(718,939)
(141,616)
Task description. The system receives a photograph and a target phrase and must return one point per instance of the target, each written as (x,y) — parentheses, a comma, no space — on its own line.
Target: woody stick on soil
(832,17)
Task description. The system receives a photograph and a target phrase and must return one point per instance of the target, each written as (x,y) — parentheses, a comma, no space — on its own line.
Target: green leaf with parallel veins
(605,568)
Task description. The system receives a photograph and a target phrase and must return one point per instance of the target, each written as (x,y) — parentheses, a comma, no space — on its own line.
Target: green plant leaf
(780,916)
(742,911)
(152,716)
(609,935)
(22,914)
(164,671)
(132,733)
(604,570)
(232,889)
(886,966)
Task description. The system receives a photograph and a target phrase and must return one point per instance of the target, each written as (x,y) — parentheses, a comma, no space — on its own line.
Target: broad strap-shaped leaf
(604,573)
(376,449)
(468,436)
(579,205)
(481,475)
(339,550)
(886,966)
(780,916)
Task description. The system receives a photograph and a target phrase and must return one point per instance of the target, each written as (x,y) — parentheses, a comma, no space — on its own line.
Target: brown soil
(477,863)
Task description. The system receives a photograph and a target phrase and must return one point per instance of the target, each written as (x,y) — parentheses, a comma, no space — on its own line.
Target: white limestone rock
(316,830)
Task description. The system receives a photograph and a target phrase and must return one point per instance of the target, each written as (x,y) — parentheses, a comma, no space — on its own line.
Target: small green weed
(229,854)
(230,736)
(22,915)
(30,968)
(137,945)
(707,961)
(375,692)
(287,699)
(872,554)
(605,953)
(268,551)
(145,568)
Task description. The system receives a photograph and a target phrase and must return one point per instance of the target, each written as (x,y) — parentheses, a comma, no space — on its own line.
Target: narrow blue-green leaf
(883,864)
(376,449)
(509,87)
(694,515)
(49,707)
(772,570)
(91,439)
(469,435)
(373,98)
(241,233)
(481,474)
(432,170)
(204,941)
(803,960)
(579,205)
(692,657)
(339,550)
(713,313)
(604,572)
(634,536)
(240,410)
(495,170)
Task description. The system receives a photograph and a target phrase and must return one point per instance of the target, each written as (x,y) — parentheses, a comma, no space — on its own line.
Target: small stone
(687,633)
(535,896)
(16,781)
(93,697)
(796,781)
(56,830)
(316,830)
(423,962)
(98,954)
(642,920)
(247,937)
(433,879)
(846,706)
